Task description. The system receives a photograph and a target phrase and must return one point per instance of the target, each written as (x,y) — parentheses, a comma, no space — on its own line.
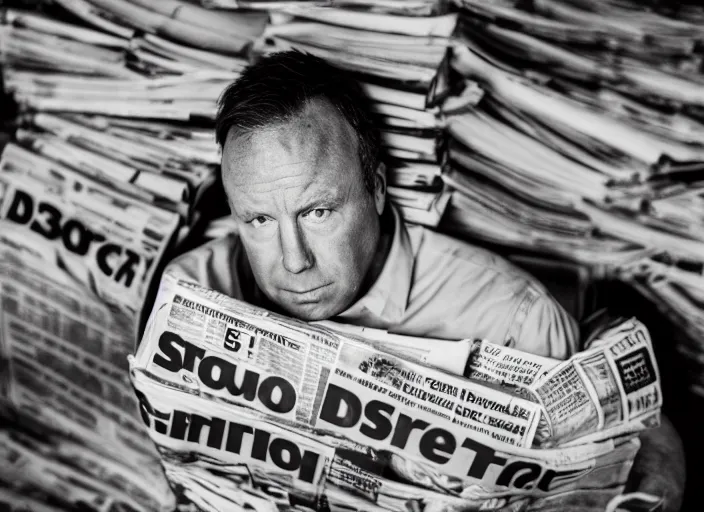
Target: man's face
(309,226)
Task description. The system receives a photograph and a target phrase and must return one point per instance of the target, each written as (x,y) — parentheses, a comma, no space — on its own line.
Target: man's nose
(296,255)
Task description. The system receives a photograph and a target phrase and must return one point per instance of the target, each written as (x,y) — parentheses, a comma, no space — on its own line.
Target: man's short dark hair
(279,86)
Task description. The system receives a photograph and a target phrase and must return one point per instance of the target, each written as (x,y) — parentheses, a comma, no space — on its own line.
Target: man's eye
(258,222)
(318,214)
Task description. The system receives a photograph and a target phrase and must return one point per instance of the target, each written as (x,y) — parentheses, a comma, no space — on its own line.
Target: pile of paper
(573,129)
(70,279)
(396,57)
(129,70)
(105,175)
(253,409)
(129,111)
(588,144)
(595,173)
(400,7)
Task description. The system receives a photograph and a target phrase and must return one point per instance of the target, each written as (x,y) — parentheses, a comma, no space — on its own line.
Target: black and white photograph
(351,255)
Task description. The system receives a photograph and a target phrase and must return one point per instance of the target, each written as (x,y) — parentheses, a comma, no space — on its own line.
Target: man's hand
(659,467)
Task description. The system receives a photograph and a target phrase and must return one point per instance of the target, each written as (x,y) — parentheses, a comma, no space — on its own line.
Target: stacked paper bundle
(254,410)
(420,8)
(589,142)
(395,54)
(105,175)
(71,275)
(132,70)
(130,111)
(578,131)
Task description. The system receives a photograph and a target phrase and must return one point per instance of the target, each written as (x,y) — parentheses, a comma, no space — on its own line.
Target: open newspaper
(610,389)
(108,239)
(283,413)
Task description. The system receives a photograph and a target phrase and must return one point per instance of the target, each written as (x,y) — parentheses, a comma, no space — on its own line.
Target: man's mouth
(304,295)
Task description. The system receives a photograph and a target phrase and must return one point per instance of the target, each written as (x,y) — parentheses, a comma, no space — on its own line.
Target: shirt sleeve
(185,267)
(212,265)
(547,329)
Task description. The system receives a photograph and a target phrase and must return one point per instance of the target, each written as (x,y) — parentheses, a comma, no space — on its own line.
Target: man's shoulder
(213,265)
(467,262)
(475,292)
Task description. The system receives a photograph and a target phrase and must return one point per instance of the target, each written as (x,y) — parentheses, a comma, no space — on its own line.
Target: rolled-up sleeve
(546,329)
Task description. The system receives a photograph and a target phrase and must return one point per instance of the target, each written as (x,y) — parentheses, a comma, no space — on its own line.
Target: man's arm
(547,329)
(659,467)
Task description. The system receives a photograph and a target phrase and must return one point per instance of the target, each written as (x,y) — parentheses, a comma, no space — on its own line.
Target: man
(318,240)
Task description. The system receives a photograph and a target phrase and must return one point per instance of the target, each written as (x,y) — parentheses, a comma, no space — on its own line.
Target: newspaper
(12,501)
(607,390)
(610,389)
(49,464)
(63,355)
(219,381)
(506,366)
(74,488)
(319,373)
(220,456)
(107,240)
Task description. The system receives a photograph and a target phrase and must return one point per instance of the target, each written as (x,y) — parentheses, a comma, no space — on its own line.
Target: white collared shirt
(431,285)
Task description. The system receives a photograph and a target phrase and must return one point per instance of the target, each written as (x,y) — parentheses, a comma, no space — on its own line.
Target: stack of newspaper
(402,7)
(129,111)
(249,409)
(71,275)
(578,174)
(52,65)
(104,176)
(588,144)
(396,56)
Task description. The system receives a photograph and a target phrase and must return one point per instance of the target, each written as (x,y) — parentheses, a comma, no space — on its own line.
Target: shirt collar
(385,303)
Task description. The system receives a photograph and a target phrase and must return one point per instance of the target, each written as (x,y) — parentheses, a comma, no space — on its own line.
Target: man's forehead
(318,132)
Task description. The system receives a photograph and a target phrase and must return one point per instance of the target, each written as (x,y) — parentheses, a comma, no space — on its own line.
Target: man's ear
(380,188)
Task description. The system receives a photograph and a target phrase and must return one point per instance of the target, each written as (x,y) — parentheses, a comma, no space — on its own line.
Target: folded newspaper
(252,409)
